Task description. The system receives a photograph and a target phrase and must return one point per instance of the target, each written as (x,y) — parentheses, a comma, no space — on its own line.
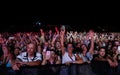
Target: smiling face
(31,49)
(58,45)
(70,48)
(84,48)
(102,52)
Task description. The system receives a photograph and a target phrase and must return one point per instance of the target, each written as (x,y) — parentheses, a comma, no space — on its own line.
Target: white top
(66,58)
(24,58)
(87,57)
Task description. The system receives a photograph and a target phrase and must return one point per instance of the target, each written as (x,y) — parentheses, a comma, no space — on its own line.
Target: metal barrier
(62,69)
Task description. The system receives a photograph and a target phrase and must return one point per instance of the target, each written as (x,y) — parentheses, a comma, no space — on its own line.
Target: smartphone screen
(118,57)
(44,50)
(119,48)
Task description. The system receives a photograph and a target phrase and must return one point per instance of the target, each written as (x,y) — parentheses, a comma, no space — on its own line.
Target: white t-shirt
(24,58)
(86,58)
(66,58)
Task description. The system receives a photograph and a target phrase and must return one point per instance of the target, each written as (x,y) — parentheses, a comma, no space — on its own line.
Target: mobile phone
(45,48)
(118,57)
(118,48)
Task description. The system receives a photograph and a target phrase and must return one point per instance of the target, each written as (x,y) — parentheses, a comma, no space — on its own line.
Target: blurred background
(99,23)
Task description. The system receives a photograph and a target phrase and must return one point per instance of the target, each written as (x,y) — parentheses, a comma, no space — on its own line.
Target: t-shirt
(66,58)
(99,67)
(1,52)
(24,58)
(87,57)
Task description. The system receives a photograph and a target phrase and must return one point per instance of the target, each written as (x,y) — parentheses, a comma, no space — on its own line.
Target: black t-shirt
(1,52)
(99,67)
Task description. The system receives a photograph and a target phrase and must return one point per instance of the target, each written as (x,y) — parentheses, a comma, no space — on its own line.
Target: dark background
(100,23)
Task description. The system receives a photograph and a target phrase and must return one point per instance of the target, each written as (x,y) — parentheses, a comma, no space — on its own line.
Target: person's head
(78,45)
(31,49)
(17,51)
(116,43)
(102,52)
(39,49)
(84,48)
(114,48)
(70,47)
(52,54)
(58,45)
(46,44)
(50,31)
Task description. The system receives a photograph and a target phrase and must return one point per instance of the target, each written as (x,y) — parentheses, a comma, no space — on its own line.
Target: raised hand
(56,29)
(91,33)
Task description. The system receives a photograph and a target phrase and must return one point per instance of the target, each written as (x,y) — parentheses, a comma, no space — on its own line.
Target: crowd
(99,52)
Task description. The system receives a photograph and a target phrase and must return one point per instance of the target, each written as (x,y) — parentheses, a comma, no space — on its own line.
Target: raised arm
(56,34)
(42,38)
(62,34)
(91,35)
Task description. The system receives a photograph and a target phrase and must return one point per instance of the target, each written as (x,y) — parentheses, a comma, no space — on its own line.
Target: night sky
(24,23)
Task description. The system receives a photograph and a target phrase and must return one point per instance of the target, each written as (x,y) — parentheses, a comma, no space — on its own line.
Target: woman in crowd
(59,41)
(8,59)
(87,54)
(51,58)
(68,57)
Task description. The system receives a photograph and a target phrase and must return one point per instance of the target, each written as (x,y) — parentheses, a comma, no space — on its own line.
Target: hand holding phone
(118,48)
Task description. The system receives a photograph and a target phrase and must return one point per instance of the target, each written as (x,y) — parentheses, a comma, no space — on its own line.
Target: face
(78,45)
(114,49)
(58,45)
(16,51)
(39,49)
(117,43)
(30,49)
(70,48)
(46,44)
(52,54)
(84,48)
(102,52)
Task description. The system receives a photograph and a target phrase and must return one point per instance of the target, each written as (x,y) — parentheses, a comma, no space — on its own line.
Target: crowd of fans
(100,52)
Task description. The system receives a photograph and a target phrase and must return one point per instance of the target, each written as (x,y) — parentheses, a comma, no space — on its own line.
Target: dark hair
(101,48)
(85,46)
(70,43)
(105,51)
(17,48)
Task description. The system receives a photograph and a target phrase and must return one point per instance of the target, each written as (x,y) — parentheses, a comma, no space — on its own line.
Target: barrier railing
(61,69)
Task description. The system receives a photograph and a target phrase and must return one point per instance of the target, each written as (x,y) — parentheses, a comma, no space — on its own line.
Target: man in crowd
(29,58)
